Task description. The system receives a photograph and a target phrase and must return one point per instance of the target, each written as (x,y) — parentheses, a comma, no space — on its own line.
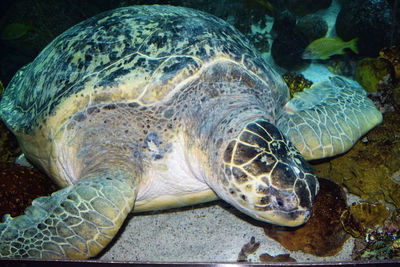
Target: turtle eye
(275,145)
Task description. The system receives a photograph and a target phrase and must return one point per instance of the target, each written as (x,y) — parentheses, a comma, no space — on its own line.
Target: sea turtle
(152,107)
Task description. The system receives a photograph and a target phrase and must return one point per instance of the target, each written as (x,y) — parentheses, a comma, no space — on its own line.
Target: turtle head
(265,176)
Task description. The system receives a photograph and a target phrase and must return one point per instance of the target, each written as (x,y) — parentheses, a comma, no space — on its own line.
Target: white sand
(214,233)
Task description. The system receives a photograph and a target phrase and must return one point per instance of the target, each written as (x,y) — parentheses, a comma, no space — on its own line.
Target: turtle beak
(291,218)
(286,210)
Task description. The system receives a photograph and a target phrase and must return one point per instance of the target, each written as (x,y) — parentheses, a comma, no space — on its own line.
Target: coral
(378,246)
(296,82)
(19,186)
(382,243)
(370,72)
(361,218)
(265,257)
(367,169)
(323,234)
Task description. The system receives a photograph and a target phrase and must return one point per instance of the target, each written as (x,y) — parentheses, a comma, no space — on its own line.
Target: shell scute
(131,54)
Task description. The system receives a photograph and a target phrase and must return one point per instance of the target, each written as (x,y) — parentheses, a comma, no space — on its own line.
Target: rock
(304,7)
(342,66)
(370,72)
(369,20)
(361,218)
(287,50)
(265,257)
(248,249)
(312,27)
(392,54)
(323,234)
(284,23)
(367,169)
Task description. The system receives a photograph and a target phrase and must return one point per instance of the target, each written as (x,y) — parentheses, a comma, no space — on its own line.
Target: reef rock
(370,72)
(284,23)
(287,50)
(370,168)
(392,54)
(371,21)
(304,7)
(341,66)
(361,218)
(312,26)
(323,234)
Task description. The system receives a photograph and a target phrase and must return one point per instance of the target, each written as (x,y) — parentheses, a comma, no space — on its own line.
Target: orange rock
(323,234)
(278,258)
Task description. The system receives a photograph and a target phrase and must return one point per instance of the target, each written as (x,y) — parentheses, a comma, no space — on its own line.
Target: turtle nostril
(280,202)
(285,201)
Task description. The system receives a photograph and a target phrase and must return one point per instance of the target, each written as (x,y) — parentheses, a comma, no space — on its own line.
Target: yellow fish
(325,47)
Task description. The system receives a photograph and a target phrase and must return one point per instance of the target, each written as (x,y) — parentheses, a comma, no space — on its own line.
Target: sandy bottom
(211,233)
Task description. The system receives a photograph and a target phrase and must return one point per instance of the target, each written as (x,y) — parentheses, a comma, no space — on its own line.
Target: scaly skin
(328,118)
(76,222)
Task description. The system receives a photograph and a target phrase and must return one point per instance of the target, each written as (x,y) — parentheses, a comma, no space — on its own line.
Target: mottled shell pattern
(143,63)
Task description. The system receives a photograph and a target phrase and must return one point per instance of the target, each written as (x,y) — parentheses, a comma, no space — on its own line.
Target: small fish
(325,47)
(15,30)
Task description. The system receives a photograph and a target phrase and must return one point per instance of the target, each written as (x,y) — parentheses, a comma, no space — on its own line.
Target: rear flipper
(328,118)
(76,222)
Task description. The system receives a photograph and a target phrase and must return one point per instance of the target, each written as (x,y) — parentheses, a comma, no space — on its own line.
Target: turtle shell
(132,54)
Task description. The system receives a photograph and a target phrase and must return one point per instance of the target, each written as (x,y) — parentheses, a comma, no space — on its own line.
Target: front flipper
(328,118)
(76,222)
